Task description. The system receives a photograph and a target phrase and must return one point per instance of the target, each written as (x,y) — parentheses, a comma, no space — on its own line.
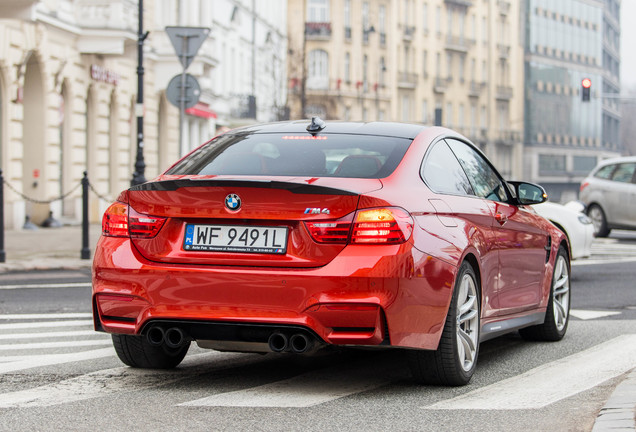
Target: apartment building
(565,136)
(68,88)
(458,63)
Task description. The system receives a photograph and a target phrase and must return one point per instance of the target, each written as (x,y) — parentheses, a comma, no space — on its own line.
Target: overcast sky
(628,44)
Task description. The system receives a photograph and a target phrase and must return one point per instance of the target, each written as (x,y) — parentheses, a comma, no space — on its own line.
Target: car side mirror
(529,193)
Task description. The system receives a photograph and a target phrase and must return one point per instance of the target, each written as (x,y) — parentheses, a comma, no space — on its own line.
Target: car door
(620,195)
(466,220)
(518,239)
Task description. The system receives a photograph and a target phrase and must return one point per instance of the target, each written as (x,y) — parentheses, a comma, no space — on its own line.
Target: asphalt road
(71,380)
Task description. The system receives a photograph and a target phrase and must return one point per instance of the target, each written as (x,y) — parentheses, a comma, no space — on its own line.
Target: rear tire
(454,361)
(136,351)
(596,213)
(557,316)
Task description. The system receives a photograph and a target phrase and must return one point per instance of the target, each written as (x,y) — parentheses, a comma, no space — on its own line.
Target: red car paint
(346,294)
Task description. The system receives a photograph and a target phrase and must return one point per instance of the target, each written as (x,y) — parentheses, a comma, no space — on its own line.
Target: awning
(201,110)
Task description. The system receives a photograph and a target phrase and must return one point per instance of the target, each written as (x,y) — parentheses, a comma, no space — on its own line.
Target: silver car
(609,194)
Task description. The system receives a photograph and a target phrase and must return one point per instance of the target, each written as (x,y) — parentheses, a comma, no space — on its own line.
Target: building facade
(565,136)
(68,88)
(458,63)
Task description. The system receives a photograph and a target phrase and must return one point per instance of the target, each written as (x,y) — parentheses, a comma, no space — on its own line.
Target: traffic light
(586,85)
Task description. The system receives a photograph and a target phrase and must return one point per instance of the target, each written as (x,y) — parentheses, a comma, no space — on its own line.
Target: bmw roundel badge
(233,202)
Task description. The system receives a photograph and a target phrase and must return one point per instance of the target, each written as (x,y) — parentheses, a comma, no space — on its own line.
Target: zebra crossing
(31,340)
(34,341)
(609,250)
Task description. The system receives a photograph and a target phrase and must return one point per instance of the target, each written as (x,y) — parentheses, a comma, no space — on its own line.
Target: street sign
(187,41)
(191,91)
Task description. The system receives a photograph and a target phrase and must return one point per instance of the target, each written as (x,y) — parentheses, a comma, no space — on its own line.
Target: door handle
(501,218)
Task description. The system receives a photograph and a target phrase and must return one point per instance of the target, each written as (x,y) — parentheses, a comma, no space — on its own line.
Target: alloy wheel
(561,293)
(467,322)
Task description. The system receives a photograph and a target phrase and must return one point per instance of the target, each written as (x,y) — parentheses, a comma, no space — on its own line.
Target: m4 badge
(316,210)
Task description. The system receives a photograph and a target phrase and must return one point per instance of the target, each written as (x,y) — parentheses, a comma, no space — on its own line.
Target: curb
(619,413)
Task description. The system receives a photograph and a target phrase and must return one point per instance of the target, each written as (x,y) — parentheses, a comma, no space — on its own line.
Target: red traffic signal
(586,85)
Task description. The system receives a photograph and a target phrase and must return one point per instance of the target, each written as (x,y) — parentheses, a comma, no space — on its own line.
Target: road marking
(48,285)
(583,262)
(588,315)
(45,316)
(108,381)
(42,335)
(298,392)
(47,345)
(46,324)
(553,381)
(54,359)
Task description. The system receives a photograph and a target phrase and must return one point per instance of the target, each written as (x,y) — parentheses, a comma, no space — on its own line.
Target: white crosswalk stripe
(48,339)
(606,250)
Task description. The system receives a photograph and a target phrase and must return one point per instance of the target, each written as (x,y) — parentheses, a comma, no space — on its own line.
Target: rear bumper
(395,296)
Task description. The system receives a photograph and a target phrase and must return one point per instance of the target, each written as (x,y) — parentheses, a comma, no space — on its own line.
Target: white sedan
(573,222)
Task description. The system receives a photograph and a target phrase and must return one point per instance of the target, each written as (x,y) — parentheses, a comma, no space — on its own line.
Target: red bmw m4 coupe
(293,236)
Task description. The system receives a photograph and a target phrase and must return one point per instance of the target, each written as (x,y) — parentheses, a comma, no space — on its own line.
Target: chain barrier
(60,198)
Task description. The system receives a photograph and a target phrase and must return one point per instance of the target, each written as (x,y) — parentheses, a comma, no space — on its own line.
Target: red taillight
(584,185)
(115,220)
(370,226)
(120,220)
(382,226)
(331,231)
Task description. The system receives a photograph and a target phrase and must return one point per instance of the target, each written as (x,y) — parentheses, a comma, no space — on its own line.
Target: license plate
(235,238)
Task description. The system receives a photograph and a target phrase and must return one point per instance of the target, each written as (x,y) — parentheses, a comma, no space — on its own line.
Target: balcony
(475,88)
(462,3)
(107,25)
(508,137)
(503,51)
(504,7)
(504,92)
(458,43)
(407,34)
(440,85)
(318,30)
(407,80)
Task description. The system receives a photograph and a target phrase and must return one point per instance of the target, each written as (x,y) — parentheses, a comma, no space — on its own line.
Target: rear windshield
(328,155)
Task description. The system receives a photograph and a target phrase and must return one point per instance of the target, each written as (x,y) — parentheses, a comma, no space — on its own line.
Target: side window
(624,173)
(484,179)
(605,172)
(442,172)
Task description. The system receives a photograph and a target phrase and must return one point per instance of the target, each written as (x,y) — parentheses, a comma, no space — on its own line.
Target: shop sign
(99,73)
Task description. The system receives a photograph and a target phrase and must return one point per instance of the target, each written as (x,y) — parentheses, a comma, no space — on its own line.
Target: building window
(318,75)
(406,109)
(365,74)
(551,164)
(382,24)
(424,65)
(347,68)
(424,112)
(583,164)
(382,71)
(347,18)
(317,10)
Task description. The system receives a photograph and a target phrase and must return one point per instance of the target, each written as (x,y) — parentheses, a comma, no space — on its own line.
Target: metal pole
(3,256)
(140,165)
(85,253)
(182,94)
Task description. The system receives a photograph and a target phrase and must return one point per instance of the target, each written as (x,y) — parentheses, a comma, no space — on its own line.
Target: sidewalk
(47,248)
(59,248)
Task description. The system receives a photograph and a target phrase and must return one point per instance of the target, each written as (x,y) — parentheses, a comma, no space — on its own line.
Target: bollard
(85,252)
(3,256)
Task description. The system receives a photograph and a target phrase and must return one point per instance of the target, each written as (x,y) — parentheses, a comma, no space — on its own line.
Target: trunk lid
(201,229)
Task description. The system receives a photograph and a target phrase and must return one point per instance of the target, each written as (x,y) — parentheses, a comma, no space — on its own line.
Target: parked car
(609,193)
(576,225)
(289,237)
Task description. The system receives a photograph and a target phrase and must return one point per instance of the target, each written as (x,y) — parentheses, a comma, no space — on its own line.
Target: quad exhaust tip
(298,343)
(173,337)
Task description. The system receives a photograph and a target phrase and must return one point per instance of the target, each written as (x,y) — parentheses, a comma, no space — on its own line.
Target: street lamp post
(140,165)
